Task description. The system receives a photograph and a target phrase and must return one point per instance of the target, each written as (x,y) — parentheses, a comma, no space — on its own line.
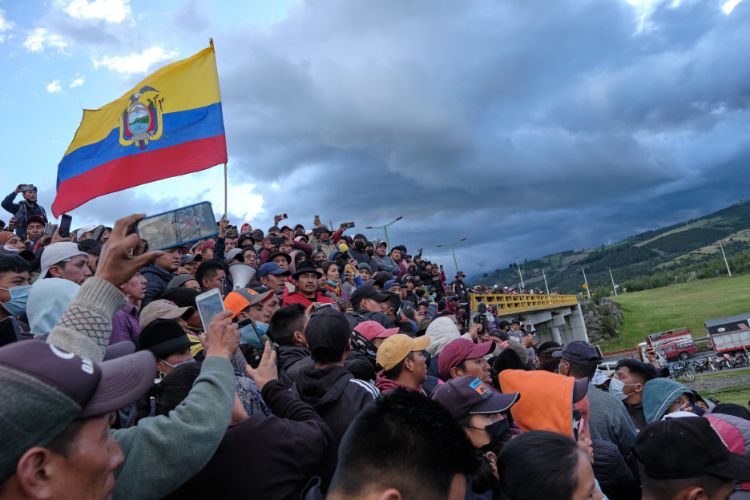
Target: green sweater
(160,452)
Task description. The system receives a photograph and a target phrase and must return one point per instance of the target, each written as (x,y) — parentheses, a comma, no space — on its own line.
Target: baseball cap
(188,258)
(578,351)
(679,448)
(163,309)
(327,333)
(34,218)
(239,300)
(163,337)
(394,349)
(367,292)
(179,281)
(58,252)
(48,388)
(459,350)
(372,330)
(272,268)
(234,253)
(468,395)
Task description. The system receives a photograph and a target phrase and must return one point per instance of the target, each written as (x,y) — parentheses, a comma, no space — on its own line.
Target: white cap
(58,252)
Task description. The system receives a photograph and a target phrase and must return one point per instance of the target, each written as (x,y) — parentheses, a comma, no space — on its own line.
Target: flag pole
(225,191)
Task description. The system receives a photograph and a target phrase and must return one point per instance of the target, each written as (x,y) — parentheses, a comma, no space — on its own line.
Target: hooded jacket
(386,264)
(610,469)
(294,359)
(546,402)
(442,331)
(337,397)
(157,279)
(658,396)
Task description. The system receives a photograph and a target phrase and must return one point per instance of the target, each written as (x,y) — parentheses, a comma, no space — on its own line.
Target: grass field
(685,304)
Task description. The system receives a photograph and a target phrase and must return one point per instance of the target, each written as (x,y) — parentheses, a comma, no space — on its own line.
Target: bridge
(555,317)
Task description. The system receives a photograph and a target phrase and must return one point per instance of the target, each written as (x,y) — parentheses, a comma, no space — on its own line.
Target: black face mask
(359,245)
(499,434)
(370,251)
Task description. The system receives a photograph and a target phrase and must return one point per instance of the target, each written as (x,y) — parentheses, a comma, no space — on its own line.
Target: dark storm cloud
(528,127)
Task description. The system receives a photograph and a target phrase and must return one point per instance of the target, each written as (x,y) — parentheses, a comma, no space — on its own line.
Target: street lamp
(452,246)
(384,227)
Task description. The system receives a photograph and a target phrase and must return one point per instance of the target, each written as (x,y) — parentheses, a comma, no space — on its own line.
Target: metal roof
(729,319)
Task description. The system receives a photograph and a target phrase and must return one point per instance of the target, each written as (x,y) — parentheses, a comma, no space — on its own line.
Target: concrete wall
(562,325)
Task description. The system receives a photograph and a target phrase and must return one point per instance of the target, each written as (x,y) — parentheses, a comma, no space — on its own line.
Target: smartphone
(10,331)
(49,229)
(178,227)
(277,240)
(281,216)
(64,230)
(348,225)
(209,305)
(97,235)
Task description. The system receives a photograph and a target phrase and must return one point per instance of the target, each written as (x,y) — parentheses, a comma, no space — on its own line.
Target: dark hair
(539,465)
(550,344)
(395,372)
(170,392)
(582,370)
(732,409)
(327,265)
(13,264)
(63,442)
(638,368)
(669,488)
(403,441)
(285,322)
(208,269)
(506,360)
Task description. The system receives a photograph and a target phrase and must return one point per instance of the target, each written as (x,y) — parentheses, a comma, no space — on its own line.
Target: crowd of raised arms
(340,368)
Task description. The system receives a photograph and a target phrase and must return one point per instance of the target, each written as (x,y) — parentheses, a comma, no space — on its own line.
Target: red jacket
(297,298)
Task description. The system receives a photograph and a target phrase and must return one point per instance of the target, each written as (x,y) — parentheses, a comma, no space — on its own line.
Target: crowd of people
(341,368)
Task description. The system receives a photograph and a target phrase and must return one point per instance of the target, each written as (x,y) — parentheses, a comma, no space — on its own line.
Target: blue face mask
(261,328)
(19,295)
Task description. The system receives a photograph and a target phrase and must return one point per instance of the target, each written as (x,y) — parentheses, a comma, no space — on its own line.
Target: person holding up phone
(27,208)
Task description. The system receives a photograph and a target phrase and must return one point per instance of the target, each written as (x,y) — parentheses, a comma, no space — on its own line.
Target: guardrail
(507,304)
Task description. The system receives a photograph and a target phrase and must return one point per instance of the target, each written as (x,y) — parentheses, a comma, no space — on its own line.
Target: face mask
(19,295)
(697,410)
(499,433)
(10,249)
(359,245)
(370,252)
(261,328)
(616,387)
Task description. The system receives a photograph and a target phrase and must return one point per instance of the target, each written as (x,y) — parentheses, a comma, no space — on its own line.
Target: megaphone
(241,274)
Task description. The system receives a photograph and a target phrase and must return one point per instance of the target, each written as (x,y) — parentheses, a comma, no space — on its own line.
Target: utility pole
(545,281)
(614,287)
(520,275)
(384,227)
(452,246)
(585,280)
(729,271)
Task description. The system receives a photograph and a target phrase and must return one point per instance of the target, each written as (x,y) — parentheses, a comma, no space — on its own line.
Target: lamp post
(726,263)
(520,275)
(452,246)
(384,227)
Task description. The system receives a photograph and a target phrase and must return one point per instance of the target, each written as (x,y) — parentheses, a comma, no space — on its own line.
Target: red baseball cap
(373,330)
(459,350)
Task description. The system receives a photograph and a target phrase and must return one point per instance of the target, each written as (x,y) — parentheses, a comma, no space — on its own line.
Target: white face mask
(616,388)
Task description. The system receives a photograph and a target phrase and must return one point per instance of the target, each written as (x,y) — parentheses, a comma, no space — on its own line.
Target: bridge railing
(508,304)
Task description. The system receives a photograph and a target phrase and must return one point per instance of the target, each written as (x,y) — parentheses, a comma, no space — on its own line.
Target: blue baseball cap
(271,268)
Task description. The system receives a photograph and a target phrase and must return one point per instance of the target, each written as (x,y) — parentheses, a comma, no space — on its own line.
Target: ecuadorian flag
(169,124)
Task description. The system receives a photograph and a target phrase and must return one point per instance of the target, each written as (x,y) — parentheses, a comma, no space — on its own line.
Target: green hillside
(685,304)
(679,253)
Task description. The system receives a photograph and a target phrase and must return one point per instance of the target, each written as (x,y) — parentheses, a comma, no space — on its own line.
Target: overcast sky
(526,126)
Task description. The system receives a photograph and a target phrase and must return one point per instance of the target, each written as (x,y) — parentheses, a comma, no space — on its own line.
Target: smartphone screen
(252,344)
(9,330)
(65,221)
(178,227)
(49,229)
(209,305)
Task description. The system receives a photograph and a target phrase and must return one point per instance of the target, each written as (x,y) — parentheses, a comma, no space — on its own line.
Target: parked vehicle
(676,344)
(729,334)
(681,370)
(607,367)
